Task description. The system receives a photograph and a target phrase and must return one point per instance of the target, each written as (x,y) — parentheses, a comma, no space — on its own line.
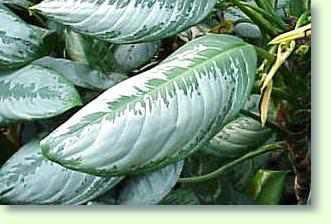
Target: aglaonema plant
(181,102)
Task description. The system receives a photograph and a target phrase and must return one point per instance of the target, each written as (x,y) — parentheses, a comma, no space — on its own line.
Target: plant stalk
(262,150)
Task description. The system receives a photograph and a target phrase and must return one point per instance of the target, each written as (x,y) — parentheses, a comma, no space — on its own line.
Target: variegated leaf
(150,188)
(109,57)
(20,43)
(237,138)
(35,92)
(128,57)
(28,178)
(80,74)
(162,115)
(241,135)
(127,21)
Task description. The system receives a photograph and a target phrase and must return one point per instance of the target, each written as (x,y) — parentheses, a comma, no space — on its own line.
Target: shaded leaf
(199,164)
(267,186)
(247,30)
(181,197)
(20,43)
(23,3)
(80,74)
(297,7)
(242,24)
(109,57)
(237,138)
(231,196)
(7,149)
(87,50)
(150,188)
(128,57)
(241,135)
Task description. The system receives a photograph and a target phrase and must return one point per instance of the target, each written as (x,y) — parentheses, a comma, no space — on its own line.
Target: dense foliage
(144,102)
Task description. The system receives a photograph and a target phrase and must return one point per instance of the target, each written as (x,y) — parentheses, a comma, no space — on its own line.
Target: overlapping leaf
(241,135)
(80,74)
(242,25)
(20,43)
(23,3)
(127,21)
(28,178)
(108,57)
(150,188)
(87,50)
(267,186)
(237,138)
(160,116)
(35,92)
(128,57)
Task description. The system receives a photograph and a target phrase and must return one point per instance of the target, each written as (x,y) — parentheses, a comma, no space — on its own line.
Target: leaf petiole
(262,150)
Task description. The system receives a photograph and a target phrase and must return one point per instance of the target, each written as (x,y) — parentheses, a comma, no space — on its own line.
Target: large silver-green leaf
(150,188)
(35,92)
(127,21)
(109,57)
(162,115)
(80,74)
(28,178)
(20,42)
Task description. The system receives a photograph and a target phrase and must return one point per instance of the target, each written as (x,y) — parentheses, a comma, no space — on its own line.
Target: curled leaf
(265,103)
